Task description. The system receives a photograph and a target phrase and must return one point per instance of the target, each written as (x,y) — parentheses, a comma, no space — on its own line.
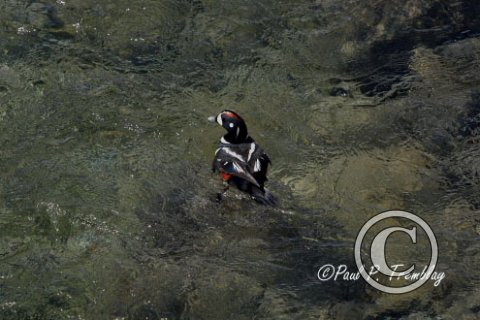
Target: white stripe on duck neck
(222,140)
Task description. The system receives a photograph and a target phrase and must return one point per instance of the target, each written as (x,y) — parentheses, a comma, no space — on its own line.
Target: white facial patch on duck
(251,151)
(219,119)
(231,125)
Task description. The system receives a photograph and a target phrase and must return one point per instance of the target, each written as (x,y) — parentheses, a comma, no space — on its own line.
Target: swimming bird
(240,161)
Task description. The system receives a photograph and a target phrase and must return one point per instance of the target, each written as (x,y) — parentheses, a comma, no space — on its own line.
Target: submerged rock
(43,15)
(375,178)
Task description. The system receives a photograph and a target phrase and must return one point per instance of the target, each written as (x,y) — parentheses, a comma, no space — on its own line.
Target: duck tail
(264,197)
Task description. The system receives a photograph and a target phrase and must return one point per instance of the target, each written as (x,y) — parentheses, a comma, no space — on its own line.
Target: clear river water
(107,199)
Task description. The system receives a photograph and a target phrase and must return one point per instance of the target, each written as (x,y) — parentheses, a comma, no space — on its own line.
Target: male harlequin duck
(240,160)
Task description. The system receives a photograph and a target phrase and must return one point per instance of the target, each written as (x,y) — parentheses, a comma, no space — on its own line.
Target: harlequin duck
(240,160)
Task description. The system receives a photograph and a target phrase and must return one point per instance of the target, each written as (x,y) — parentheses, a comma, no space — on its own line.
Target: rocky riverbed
(107,204)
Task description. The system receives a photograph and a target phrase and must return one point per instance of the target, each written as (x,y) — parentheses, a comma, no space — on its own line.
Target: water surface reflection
(106,203)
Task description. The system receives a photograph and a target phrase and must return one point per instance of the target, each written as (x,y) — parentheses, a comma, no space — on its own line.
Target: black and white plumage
(240,160)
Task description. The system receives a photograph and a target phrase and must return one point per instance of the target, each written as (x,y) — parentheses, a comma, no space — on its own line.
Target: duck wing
(234,163)
(258,162)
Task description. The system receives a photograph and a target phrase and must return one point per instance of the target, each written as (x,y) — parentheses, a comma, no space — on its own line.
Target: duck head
(233,123)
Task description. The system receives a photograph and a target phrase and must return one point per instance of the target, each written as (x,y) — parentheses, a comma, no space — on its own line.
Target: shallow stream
(107,206)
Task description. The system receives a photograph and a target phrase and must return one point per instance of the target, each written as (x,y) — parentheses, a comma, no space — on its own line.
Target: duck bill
(212,119)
